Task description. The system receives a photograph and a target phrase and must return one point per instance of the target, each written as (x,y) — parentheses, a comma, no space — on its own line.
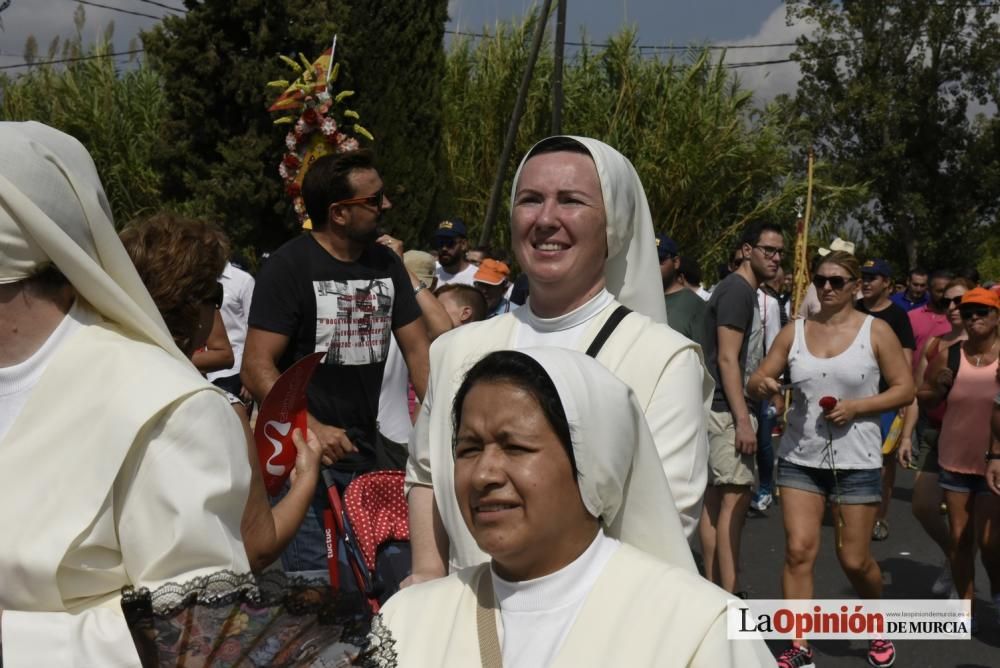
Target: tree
(220,150)
(396,54)
(885,98)
(117,114)
(709,160)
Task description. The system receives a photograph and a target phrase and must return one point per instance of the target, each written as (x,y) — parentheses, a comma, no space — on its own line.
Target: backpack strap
(607,330)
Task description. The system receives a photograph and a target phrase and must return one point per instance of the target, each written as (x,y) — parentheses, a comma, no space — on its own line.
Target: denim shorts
(857,486)
(967,483)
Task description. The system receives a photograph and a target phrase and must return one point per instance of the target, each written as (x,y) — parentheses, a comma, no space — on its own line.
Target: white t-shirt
(464,277)
(538,614)
(17,382)
(237,292)
(770,315)
(393,405)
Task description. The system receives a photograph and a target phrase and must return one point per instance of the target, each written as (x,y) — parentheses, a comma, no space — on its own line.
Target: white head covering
(53,210)
(632,270)
(620,474)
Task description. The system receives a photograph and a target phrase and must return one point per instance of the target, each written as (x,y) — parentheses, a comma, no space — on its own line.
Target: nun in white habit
(557,479)
(121,464)
(582,232)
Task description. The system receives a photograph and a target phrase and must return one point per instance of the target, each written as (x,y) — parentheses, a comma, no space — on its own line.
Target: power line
(160,4)
(646,47)
(116,9)
(72,60)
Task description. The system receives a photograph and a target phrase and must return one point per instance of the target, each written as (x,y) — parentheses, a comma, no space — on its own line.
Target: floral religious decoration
(321,121)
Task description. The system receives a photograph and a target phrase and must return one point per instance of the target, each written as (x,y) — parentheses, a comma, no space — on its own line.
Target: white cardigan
(124,467)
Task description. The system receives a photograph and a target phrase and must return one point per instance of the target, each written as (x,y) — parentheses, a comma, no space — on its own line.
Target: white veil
(53,210)
(621,477)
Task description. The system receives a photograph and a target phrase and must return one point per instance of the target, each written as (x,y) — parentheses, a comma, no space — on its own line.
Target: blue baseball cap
(451,228)
(665,247)
(876,267)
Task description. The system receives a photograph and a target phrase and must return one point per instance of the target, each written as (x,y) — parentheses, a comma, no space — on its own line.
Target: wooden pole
(557,73)
(515,121)
(801,280)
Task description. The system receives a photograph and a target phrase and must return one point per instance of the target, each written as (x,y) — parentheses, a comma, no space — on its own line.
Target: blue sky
(658,22)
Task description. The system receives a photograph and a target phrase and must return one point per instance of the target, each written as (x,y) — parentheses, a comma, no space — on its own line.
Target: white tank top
(852,374)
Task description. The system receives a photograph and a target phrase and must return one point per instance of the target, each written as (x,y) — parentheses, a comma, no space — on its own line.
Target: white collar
(567,586)
(574,318)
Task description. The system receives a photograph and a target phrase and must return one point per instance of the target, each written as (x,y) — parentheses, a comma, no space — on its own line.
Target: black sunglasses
(375,199)
(445,242)
(836,282)
(953,302)
(974,311)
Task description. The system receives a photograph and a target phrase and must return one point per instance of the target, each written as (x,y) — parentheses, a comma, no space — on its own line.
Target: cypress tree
(396,55)
(220,150)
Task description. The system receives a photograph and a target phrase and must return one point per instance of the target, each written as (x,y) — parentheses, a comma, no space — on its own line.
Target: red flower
(293,189)
(292,161)
(828,403)
(311,117)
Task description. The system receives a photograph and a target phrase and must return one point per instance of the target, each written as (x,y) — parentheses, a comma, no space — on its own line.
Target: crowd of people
(582,444)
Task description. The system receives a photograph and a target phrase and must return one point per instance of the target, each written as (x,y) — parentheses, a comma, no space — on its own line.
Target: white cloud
(769,81)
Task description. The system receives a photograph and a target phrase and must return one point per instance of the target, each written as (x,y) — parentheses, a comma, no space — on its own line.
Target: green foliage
(709,161)
(885,97)
(117,115)
(396,55)
(220,149)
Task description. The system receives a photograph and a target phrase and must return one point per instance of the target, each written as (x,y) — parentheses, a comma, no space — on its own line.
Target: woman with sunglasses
(832,447)
(927,494)
(973,511)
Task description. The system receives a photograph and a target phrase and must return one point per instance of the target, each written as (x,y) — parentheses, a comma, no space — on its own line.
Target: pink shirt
(926,323)
(965,430)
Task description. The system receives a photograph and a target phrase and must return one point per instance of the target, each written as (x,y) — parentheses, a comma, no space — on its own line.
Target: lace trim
(381,650)
(299,595)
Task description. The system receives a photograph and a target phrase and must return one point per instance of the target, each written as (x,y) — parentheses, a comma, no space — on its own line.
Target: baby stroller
(371,524)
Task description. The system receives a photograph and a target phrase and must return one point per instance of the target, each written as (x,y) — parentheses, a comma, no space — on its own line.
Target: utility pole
(557,73)
(515,120)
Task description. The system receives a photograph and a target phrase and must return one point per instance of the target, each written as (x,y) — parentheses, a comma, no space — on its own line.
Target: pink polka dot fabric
(375,505)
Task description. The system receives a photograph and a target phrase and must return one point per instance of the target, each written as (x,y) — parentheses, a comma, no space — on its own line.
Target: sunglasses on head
(836,282)
(970,311)
(375,199)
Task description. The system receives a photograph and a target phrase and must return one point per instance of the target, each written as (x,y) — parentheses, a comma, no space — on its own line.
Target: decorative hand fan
(225,620)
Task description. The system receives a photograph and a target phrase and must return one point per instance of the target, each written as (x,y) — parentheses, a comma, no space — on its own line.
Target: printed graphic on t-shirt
(354,320)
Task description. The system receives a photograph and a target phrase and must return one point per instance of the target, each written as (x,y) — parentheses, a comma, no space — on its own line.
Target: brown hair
(179,259)
(845,261)
(960,282)
(466,295)
(329,180)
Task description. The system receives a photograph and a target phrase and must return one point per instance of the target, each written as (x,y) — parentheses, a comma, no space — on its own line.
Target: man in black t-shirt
(876,289)
(341,290)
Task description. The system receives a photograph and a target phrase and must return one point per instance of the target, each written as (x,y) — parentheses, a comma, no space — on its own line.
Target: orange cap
(981,296)
(492,272)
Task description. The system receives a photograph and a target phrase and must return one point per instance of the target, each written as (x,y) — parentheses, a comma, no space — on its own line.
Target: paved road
(909,561)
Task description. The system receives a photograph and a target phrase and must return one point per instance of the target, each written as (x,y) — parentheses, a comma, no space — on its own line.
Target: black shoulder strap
(955,357)
(606,330)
